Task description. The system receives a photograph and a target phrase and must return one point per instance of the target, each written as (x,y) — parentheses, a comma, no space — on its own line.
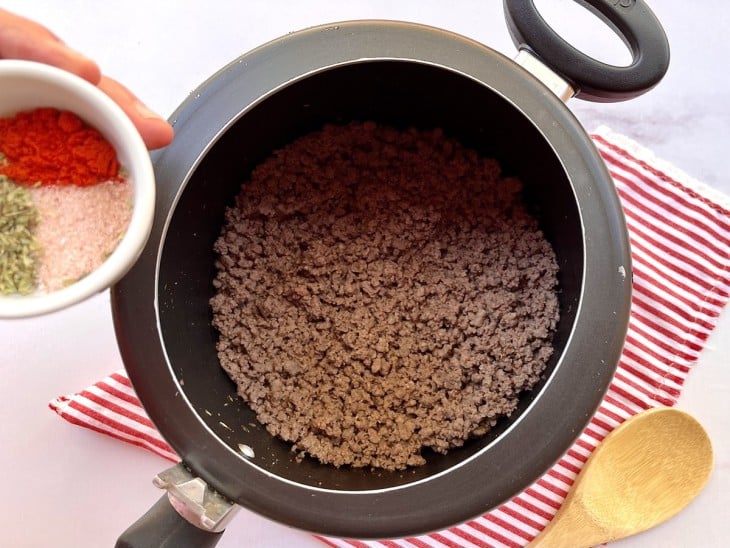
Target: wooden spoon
(644,472)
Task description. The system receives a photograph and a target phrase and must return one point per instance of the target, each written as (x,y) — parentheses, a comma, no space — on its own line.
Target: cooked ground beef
(380,292)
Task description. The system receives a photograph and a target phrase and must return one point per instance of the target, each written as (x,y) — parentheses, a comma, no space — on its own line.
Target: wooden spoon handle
(572,527)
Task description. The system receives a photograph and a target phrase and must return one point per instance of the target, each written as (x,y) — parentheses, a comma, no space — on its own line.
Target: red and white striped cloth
(680,239)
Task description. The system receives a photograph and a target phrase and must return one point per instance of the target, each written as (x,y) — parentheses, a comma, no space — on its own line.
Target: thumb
(21,38)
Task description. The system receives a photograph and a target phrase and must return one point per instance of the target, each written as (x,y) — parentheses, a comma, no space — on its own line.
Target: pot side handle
(594,80)
(162,527)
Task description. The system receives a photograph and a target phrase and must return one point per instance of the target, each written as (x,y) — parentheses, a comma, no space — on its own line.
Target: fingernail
(145,111)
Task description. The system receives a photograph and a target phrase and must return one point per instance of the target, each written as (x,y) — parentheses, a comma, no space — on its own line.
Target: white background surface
(67,487)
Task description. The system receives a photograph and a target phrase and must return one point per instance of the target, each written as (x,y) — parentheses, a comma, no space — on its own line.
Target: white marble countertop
(71,488)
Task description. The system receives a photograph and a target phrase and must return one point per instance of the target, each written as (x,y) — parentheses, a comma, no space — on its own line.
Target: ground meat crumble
(379,292)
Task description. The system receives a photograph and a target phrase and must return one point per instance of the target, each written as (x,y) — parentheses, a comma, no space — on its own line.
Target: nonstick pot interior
(410,77)
(397,93)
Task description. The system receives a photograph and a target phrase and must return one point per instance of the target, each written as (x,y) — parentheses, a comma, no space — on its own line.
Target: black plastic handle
(632,20)
(163,527)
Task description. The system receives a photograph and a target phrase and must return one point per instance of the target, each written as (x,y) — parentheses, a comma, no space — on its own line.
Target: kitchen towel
(680,242)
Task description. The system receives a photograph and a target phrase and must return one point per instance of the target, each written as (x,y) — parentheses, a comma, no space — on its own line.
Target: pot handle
(162,527)
(632,20)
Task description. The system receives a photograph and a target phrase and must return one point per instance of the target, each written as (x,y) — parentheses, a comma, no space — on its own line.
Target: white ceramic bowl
(26,85)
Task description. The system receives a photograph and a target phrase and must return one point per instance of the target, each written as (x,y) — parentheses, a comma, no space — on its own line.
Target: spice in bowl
(18,247)
(65,200)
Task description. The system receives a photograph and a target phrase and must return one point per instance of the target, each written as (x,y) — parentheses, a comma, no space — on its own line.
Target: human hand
(21,38)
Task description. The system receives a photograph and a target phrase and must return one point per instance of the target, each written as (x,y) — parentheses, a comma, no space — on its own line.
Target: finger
(21,38)
(156,132)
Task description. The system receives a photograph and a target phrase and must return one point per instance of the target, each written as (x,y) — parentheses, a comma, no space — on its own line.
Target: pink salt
(78,229)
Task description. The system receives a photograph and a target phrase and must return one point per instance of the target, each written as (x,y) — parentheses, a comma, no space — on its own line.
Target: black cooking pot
(404,75)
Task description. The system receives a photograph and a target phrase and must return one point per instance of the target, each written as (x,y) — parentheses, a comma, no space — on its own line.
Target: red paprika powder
(51,146)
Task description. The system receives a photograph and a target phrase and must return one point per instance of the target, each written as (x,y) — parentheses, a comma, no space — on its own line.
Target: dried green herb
(18,248)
